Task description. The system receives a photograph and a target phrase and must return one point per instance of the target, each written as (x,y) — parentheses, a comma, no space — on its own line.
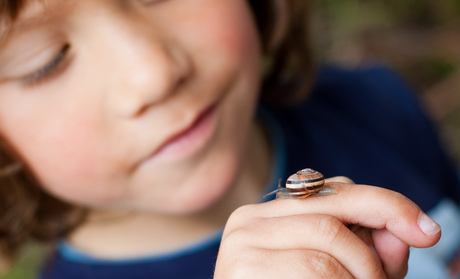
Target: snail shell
(304,183)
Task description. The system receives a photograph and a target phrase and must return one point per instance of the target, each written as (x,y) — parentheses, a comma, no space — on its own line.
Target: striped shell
(304,183)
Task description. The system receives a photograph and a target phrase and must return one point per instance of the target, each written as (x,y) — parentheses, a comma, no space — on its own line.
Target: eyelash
(48,70)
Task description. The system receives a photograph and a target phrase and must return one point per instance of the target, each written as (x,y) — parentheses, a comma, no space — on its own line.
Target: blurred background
(420,39)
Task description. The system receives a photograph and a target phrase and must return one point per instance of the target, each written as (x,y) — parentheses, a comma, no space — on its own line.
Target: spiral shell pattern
(304,183)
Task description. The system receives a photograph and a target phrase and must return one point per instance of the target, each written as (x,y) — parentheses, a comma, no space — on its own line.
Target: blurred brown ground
(420,39)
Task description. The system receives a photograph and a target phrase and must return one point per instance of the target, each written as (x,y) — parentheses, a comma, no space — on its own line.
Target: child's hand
(309,238)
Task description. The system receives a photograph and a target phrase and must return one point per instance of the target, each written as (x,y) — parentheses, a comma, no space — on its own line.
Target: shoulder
(377,77)
(372,99)
(369,125)
(365,95)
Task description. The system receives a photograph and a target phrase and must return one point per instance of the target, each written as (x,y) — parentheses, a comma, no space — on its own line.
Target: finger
(339,179)
(322,265)
(393,253)
(281,193)
(363,233)
(368,206)
(311,232)
(267,264)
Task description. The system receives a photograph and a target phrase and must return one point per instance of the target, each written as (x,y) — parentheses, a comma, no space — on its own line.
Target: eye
(48,70)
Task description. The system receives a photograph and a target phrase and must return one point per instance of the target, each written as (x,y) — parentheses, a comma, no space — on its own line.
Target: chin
(201,195)
(199,201)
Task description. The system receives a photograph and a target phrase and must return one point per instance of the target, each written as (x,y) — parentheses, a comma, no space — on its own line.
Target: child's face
(131,104)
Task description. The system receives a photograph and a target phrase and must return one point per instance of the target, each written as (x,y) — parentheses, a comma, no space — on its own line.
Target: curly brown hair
(29,213)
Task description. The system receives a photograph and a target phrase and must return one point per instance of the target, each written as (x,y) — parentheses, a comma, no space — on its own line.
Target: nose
(145,67)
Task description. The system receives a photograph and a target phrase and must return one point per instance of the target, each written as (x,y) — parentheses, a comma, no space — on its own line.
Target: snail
(302,184)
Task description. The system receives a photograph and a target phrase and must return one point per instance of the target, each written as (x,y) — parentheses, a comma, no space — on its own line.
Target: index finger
(368,206)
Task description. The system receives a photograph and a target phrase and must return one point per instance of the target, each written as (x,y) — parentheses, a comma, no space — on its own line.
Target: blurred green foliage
(28,263)
(419,39)
(416,37)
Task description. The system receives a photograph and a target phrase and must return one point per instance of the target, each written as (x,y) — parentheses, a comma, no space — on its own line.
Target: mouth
(190,139)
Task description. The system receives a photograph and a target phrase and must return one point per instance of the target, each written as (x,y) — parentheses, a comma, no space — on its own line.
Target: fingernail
(427,225)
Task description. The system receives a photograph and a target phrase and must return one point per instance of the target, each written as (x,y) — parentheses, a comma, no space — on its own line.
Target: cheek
(226,27)
(237,45)
(60,152)
(229,32)
(71,148)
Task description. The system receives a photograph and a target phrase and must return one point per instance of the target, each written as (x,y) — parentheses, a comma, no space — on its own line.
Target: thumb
(392,252)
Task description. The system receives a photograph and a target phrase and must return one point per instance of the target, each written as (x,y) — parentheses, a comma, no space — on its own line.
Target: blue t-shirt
(365,124)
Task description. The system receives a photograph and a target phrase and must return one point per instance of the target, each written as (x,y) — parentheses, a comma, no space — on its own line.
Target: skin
(310,238)
(133,77)
(149,121)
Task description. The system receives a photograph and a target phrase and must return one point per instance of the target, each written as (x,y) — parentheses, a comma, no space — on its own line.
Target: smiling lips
(190,139)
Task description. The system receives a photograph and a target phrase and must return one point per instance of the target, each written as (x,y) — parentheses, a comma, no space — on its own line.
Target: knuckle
(238,264)
(392,203)
(229,266)
(242,212)
(375,270)
(234,238)
(398,198)
(401,204)
(239,218)
(323,265)
(330,227)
